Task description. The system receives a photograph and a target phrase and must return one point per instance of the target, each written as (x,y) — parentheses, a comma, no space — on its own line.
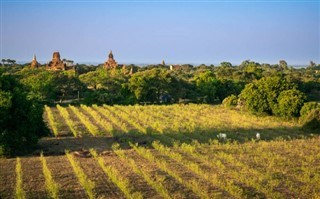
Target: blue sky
(152,31)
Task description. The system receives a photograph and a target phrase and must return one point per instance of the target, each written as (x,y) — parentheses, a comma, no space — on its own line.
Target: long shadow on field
(57,146)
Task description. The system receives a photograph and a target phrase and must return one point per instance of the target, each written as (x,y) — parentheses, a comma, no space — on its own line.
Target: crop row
(182,122)
(277,169)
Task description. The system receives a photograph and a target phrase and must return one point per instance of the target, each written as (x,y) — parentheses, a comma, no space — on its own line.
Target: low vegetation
(116,178)
(175,151)
(87,184)
(20,193)
(51,186)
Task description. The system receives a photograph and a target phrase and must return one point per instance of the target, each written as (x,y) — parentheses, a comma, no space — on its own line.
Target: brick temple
(34,63)
(110,63)
(56,63)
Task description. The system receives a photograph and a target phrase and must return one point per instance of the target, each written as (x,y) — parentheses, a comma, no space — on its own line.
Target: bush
(274,96)
(311,121)
(21,122)
(307,107)
(289,103)
(255,100)
(230,101)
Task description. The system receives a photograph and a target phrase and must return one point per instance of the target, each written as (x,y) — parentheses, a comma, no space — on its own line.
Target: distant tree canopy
(21,122)
(44,85)
(207,86)
(106,87)
(8,61)
(154,85)
(161,84)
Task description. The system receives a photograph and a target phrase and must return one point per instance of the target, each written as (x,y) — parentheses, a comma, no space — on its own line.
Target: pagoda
(34,63)
(56,63)
(110,63)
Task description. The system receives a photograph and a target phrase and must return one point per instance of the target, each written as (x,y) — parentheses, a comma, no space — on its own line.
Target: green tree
(106,87)
(21,122)
(225,70)
(290,103)
(39,83)
(48,86)
(152,85)
(226,64)
(67,86)
(207,86)
(262,96)
(283,65)
(94,79)
(227,87)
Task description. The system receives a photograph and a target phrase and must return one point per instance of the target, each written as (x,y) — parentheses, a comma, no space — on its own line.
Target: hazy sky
(150,31)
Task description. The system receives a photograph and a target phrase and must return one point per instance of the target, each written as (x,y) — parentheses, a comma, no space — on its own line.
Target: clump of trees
(184,83)
(106,87)
(49,86)
(21,122)
(8,61)
(274,96)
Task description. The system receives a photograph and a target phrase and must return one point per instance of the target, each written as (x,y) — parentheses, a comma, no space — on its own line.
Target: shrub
(274,96)
(21,122)
(255,100)
(307,107)
(289,103)
(311,121)
(230,101)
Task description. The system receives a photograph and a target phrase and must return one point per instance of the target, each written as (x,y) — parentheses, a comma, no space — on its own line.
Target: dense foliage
(50,86)
(21,122)
(230,101)
(308,107)
(311,121)
(260,85)
(274,96)
(310,116)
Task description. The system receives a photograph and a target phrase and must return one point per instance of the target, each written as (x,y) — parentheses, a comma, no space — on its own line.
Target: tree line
(278,90)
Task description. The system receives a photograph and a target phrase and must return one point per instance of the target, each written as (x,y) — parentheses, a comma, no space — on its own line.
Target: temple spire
(110,55)
(110,63)
(34,63)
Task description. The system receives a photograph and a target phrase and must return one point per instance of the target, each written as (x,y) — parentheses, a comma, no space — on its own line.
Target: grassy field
(175,151)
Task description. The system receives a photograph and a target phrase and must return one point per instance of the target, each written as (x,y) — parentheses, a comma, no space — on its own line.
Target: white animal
(258,136)
(222,136)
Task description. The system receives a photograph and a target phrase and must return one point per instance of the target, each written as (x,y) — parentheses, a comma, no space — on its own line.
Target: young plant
(87,184)
(97,117)
(93,129)
(51,121)
(20,194)
(156,183)
(116,178)
(51,186)
(64,113)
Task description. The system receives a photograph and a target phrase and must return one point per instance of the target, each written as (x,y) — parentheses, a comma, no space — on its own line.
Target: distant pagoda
(56,63)
(34,63)
(110,63)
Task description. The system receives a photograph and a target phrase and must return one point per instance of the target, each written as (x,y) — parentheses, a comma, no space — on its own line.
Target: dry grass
(175,153)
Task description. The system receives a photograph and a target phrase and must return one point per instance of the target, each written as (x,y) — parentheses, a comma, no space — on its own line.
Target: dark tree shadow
(58,145)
